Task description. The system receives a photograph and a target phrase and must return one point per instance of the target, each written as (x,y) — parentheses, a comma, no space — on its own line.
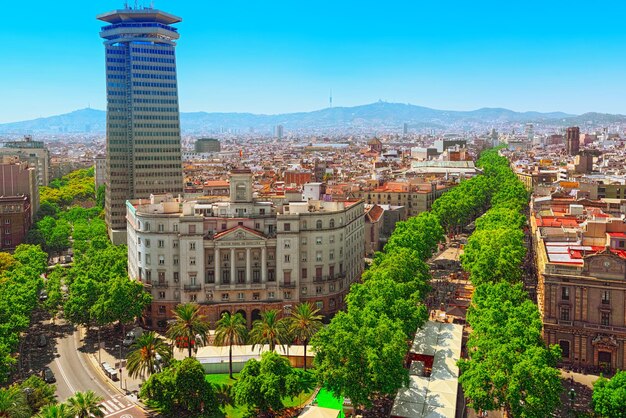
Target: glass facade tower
(143,151)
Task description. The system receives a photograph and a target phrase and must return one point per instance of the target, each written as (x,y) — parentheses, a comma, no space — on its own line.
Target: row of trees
(360,354)
(20,283)
(77,186)
(34,397)
(509,367)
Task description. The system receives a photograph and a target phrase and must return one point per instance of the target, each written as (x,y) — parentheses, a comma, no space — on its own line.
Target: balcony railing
(192,287)
(161,285)
(288,285)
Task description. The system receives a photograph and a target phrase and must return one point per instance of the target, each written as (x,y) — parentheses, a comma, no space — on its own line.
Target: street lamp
(572,396)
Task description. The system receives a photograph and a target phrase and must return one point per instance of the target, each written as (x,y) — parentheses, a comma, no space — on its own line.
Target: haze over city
(285,56)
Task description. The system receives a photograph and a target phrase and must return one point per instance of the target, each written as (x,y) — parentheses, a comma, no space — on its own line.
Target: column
(263,265)
(248,266)
(233,273)
(218,262)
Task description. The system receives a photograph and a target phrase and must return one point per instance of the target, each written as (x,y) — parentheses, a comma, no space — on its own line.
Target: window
(239,255)
(7,222)
(605,319)
(192,229)
(565,293)
(225,277)
(318,240)
(564,348)
(319,289)
(256,276)
(161,295)
(193,297)
(175,244)
(287,258)
(256,296)
(303,256)
(564,313)
(147,226)
(192,246)
(270,295)
(175,260)
(270,275)
(175,277)
(161,243)
(138,240)
(161,260)
(606,297)
(241,276)
(192,261)
(287,295)
(331,255)
(304,273)
(139,256)
(161,309)
(147,243)
(318,224)
(240,296)
(210,276)
(331,287)
(161,228)
(303,291)
(318,256)
(147,258)
(319,304)
(148,276)
(175,227)
(331,239)
(224,296)
(287,244)
(331,224)
(303,241)
(303,225)
(287,226)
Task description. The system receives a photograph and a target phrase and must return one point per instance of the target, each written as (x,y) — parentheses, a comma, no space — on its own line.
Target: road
(74,371)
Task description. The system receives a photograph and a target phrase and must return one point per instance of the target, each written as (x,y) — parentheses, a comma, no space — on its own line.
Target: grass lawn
(239,411)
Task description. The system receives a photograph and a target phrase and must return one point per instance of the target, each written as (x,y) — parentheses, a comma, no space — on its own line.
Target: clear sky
(284,56)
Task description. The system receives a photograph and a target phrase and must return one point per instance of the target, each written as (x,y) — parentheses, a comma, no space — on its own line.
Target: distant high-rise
(34,152)
(405,128)
(143,151)
(573,140)
(278,131)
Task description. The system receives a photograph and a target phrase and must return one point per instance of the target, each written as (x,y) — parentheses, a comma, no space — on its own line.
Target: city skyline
(285,57)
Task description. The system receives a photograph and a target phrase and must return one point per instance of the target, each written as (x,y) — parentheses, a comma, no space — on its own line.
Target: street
(74,370)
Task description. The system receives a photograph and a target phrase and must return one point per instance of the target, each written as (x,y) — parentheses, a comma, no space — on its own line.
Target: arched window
(318,224)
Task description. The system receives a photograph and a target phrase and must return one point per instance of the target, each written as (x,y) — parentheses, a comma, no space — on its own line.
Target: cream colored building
(244,255)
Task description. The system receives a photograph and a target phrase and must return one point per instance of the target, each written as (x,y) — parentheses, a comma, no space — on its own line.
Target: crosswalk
(115,405)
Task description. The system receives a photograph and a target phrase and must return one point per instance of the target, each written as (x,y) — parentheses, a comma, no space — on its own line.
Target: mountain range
(378,116)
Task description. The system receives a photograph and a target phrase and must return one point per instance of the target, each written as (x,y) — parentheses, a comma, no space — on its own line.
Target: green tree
(189,329)
(609,396)
(86,405)
(263,384)
(83,295)
(32,256)
(100,194)
(38,393)
(269,330)
(55,411)
(181,390)
(142,358)
(122,300)
(304,323)
(6,262)
(421,233)
(13,403)
(230,330)
(360,355)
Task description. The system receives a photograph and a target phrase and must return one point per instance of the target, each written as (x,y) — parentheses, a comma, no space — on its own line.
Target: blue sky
(285,56)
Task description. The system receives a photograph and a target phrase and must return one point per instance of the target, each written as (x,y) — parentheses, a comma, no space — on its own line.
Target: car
(43,295)
(48,376)
(42,341)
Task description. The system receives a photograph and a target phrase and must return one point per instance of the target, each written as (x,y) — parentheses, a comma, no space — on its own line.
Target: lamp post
(572,397)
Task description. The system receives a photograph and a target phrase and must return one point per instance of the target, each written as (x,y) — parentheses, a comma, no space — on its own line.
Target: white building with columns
(244,255)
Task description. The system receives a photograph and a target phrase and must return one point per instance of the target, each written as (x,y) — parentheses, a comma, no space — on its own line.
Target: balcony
(161,285)
(192,287)
(288,285)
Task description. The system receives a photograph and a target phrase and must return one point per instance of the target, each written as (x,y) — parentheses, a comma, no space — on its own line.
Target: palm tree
(13,403)
(230,329)
(304,324)
(142,359)
(269,330)
(85,405)
(190,327)
(55,411)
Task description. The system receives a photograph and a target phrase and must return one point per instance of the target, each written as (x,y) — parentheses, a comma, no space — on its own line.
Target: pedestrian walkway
(115,405)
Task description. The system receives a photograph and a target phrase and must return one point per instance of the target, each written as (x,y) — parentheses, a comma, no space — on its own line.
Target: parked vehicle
(42,341)
(131,336)
(48,376)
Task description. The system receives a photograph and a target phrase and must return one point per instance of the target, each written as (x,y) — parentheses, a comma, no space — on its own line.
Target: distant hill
(377,115)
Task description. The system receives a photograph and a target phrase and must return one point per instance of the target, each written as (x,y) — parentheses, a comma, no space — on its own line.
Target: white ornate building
(244,255)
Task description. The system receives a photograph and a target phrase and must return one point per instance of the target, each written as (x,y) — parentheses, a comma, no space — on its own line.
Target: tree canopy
(609,396)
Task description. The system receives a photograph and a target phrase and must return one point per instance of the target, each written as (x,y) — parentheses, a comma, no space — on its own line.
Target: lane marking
(63,375)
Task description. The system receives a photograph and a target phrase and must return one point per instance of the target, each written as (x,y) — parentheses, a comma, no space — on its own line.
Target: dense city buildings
(15,220)
(207,145)
(18,178)
(143,147)
(244,254)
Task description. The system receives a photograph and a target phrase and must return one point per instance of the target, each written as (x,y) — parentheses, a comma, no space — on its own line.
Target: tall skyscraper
(143,152)
(573,140)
